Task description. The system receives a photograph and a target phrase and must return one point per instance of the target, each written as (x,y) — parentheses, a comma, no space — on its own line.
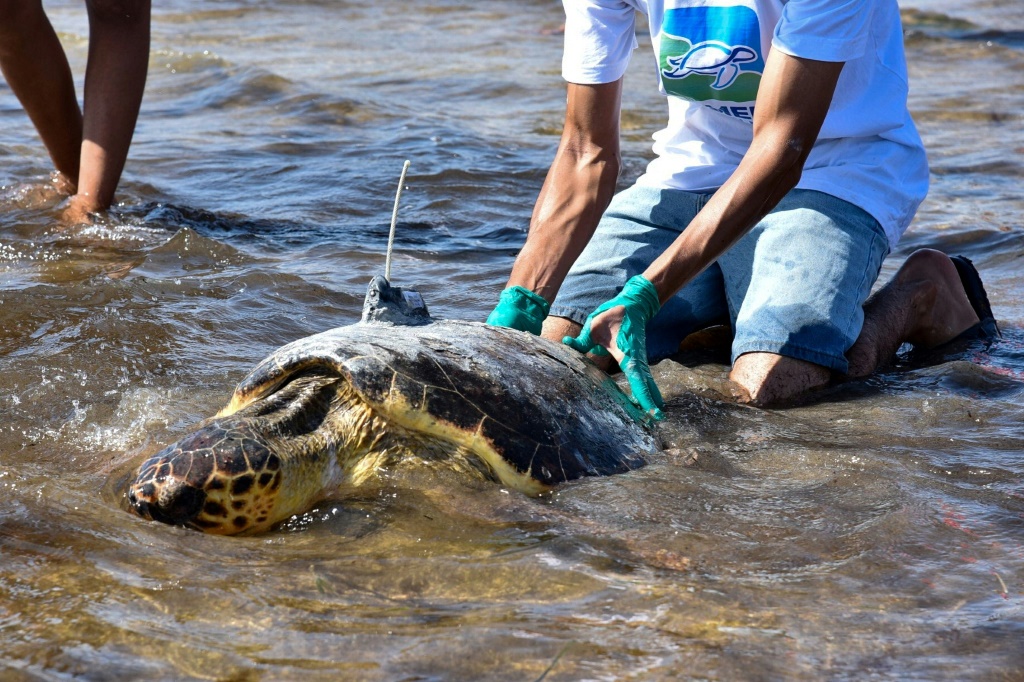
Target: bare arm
(578,187)
(792,101)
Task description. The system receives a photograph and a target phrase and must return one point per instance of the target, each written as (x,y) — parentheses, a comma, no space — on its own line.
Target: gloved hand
(639,299)
(519,308)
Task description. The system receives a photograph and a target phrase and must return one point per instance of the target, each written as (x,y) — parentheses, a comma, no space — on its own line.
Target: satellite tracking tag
(413,299)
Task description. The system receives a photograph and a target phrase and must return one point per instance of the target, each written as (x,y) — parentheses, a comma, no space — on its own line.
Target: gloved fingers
(655,391)
(637,340)
(582,342)
(645,391)
(501,317)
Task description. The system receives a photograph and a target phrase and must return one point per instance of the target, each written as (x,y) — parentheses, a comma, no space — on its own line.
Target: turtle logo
(711,58)
(711,55)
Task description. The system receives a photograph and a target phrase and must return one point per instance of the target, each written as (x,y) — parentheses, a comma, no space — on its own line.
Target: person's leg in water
(924,304)
(33,62)
(88,150)
(115,79)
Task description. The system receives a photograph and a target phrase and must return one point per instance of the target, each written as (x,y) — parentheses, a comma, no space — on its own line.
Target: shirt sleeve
(600,35)
(825,30)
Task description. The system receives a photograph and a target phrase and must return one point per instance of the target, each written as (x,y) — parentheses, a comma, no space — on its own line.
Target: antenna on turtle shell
(388,304)
(394,222)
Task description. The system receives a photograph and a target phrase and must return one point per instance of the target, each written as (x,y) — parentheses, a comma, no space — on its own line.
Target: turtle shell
(537,412)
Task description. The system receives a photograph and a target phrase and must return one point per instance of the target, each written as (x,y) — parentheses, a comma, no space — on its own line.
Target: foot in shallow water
(987,328)
(977,336)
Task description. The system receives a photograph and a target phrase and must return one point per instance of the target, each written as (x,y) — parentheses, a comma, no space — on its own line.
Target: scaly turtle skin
(336,407)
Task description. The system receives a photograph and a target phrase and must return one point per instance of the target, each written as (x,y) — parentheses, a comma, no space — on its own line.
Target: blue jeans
(794,285)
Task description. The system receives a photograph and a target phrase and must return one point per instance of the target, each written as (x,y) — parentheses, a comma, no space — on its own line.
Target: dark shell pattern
(548,413)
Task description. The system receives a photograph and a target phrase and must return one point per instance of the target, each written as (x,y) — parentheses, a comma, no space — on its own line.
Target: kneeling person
(788,170)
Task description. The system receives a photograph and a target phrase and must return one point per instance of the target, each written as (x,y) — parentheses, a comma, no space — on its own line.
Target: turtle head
(385,303)
(220,479)
(253,465)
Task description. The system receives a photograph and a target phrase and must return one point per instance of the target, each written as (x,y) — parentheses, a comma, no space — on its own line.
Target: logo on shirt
(711,54)
(711,59)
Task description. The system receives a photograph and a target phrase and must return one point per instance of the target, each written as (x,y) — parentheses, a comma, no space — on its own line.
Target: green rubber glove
(519,308)
(640,299)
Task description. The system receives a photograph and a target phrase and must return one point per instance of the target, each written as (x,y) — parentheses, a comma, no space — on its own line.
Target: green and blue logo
(711,54)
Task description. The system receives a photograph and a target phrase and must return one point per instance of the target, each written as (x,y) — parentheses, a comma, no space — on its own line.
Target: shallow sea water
(875,534)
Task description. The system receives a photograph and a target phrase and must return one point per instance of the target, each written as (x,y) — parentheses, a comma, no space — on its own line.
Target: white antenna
(394,221)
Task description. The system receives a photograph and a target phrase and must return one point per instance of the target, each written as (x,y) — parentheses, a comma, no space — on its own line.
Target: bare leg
(33,62)
(924,304)
(114,82)
(768,378)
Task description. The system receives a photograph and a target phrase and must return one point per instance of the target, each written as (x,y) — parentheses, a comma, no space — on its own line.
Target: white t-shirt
(710,55)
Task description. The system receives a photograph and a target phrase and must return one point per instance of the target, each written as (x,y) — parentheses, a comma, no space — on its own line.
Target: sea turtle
(711,58)
(336,407)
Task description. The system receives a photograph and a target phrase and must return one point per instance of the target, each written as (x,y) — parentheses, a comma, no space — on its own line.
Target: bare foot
(79,211)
